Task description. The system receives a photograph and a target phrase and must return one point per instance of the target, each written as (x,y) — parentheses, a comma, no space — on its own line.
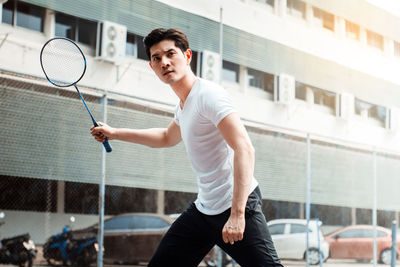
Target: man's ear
(151,66)
(188,54)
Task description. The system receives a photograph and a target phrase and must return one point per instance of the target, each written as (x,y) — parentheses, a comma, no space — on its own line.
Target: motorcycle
(71,248)
(211,259)
(19,250)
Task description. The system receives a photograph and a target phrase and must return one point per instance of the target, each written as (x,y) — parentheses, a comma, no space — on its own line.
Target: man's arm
(153,137)
(237,138)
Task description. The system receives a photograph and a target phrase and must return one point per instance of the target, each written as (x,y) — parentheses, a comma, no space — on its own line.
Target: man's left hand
(233,229)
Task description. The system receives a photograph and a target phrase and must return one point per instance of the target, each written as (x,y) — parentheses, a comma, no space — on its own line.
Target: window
(118,223)
(130,45)
(352,30)
(23,15)
(270,3)
(18,193)
(87,31)
(318,96)
(81,30)
(149,222)
(396,49)
(374,40)
(301,91)
(193,63)
(8,12)
(296,8)
(276,229)
(230,71)
(140,47)
(65,26)
(351,233)
(81,198)
(261,80)
(324,98)
(298,228)
(369,110)
(324,19)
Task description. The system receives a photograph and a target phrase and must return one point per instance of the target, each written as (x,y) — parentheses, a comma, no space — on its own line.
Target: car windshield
(135,222)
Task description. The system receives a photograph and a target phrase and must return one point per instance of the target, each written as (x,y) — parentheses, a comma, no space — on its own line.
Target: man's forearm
(154,137)
(243,175)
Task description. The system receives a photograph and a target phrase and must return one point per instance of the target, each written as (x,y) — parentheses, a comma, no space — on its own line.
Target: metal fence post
(219,257)
(375,256)
(321,258)
(308,197)
(394,243)
(100,233)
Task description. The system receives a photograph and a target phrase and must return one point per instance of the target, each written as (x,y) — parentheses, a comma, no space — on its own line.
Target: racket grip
(107,146)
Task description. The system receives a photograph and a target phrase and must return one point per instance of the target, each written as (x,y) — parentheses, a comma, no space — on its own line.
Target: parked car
(290,239)
(133,238)
(356,242)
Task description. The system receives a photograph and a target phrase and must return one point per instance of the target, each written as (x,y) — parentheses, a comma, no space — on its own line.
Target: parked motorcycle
(71,248)
(211,259)
(19,250)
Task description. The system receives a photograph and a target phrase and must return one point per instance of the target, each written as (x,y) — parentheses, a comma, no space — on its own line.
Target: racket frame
(106,144)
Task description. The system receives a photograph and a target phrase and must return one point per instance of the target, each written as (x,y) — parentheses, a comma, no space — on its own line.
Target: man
(227,211)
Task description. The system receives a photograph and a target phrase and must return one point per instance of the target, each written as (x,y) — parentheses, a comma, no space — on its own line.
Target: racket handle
(107,146)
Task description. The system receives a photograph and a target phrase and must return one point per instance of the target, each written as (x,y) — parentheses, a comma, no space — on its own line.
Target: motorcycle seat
(15,239)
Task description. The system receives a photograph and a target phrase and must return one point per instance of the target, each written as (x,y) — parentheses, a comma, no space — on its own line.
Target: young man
(227,211)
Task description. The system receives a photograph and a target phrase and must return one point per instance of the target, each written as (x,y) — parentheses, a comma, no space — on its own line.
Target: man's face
(169,62)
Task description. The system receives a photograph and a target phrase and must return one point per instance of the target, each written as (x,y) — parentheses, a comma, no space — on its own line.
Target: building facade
(295,69)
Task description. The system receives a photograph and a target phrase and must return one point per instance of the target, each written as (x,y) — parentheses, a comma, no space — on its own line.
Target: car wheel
(386,256)
(313,256)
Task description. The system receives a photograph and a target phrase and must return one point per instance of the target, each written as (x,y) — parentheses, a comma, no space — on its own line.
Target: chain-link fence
(50,168)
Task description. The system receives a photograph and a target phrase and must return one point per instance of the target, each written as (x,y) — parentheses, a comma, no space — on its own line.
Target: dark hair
(160,34)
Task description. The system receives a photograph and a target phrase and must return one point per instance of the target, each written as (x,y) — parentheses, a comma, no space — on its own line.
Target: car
(132,238)
(356,242)
(290,239)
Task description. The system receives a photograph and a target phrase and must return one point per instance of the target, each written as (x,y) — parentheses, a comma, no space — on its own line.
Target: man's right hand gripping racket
(64,65)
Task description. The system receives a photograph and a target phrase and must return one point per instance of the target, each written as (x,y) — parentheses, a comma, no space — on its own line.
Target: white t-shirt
(209,154)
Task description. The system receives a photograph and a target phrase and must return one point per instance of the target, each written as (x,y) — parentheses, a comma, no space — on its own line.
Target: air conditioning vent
(210,66)
(286,89)
(111,41)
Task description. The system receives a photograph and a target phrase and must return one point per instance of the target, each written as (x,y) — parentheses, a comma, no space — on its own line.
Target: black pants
(193,234)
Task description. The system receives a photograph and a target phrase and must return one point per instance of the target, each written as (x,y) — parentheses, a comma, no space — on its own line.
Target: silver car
(290,239)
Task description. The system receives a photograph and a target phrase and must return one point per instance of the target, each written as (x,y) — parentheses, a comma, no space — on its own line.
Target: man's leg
(186,242)
(256,249)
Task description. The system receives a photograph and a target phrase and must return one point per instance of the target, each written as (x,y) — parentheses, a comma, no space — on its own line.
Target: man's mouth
(167,72)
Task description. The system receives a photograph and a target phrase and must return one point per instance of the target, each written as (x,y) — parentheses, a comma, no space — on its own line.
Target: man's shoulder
(208,87)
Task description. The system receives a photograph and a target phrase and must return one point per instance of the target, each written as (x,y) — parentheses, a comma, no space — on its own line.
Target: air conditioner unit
(111,42)
(285,91)
(392,118)
(210,66)
(345,105)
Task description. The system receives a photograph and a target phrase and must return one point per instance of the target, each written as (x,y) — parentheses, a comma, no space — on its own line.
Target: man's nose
(165,62)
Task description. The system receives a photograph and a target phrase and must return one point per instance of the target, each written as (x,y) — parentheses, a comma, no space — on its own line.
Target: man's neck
(182,88)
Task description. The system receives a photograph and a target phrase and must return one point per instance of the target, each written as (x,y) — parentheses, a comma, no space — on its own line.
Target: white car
(290,239)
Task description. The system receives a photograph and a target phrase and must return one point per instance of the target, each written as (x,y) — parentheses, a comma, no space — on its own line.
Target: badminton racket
(64,65)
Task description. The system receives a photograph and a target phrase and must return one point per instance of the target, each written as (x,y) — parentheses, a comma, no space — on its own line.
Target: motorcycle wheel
(87,257)
(27,263)
(213,262)
(54,258)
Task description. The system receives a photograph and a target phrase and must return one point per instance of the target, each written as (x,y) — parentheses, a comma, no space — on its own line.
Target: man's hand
(234,229)
(103,131)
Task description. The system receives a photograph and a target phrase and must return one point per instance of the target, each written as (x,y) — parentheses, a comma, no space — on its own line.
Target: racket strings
(63,62)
